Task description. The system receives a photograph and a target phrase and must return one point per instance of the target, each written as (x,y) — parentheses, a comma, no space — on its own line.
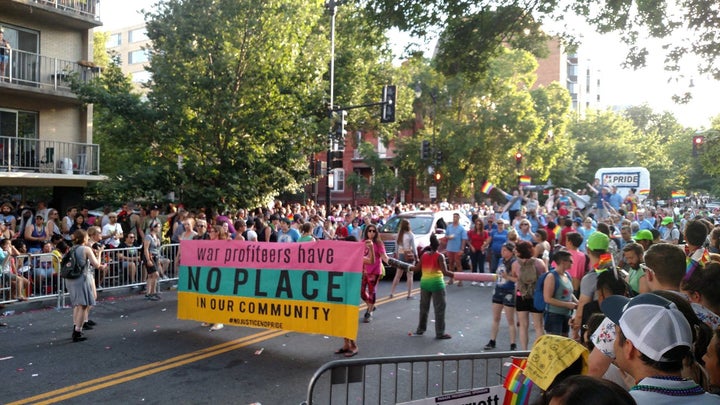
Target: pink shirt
(577,271)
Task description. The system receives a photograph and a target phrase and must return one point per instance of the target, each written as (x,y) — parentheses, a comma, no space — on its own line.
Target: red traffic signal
(698,140)
(437,176)
(518,157)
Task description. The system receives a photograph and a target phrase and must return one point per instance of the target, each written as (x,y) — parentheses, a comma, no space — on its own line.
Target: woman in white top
(405,252)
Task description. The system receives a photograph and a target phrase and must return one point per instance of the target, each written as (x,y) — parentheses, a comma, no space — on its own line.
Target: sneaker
(490,345)
(366,318)
(217,326)
(152,297)
(513,346)
(474,283)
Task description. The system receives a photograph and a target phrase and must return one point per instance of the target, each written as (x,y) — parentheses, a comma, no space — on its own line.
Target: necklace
(689,390)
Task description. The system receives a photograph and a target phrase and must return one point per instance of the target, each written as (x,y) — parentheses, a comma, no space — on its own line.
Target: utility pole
(332,8)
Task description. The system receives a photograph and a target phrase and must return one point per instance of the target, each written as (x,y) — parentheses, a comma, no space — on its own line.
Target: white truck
(625,178)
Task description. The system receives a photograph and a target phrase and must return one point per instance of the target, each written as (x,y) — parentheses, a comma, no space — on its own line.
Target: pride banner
(311,287)
(677,194)
(487,187)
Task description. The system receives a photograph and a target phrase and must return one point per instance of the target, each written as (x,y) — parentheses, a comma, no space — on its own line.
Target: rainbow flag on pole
(676,195)
(487,187)
(525,180)
(644,191)
(518,386)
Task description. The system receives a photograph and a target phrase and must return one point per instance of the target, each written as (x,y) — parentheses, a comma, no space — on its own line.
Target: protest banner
(311,287)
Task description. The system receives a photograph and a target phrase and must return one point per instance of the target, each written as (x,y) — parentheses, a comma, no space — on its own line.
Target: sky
(620,87)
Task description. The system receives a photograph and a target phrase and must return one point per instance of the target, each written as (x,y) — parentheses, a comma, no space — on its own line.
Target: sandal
(351,353)
(342,350)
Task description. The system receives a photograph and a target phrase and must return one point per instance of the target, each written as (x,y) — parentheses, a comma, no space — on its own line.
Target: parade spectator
(585,231)
(542,246)
(456,237)
(586,390)
(10,274)
(581,261)
(129,255)
(600,261)
(79,224)
(478,239)
(503,299)
(558,295)
(151,256)
(286,233)
(645,238)
(251,234)
(112,232)
(405,251)
(498,237)
(527,269)
(35,235)
(306,233)
(668,232)
(633,258)
(82,289)
(653,339)
(6,215)
(432,288)
(712,361)
(202,230)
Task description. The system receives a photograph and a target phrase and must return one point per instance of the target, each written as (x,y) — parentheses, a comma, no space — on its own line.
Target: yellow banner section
(301,316)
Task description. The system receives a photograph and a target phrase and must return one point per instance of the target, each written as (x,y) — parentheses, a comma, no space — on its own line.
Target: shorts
(4,59)
(556,324)
(504,297)
(526,305)
(153,269)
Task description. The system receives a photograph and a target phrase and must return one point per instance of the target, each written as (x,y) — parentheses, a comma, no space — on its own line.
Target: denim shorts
(556,324)
(505,297)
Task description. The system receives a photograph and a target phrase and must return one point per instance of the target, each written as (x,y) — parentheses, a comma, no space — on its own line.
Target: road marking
(83,388)
(86,387)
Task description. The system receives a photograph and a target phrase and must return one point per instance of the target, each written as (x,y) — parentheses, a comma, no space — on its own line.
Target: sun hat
(652,323)
(598,241)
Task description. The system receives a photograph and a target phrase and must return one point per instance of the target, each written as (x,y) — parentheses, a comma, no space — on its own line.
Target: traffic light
(438,157)
(337,160)
(425,150)
(387,108)
(518,158)
(340,122)
(698,141)
(437,176)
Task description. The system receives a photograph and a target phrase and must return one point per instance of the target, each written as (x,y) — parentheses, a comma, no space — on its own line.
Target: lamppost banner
(311,287)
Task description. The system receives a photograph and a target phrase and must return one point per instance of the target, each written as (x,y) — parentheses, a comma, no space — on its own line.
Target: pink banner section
(321,255)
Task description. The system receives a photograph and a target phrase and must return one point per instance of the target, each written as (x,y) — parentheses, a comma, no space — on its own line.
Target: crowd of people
(595,270)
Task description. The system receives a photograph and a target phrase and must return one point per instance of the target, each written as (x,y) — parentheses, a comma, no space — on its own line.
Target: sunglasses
(371,230)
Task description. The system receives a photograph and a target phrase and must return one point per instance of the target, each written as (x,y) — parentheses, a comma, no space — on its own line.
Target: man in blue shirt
(286,233)
(615,199)
(456,237)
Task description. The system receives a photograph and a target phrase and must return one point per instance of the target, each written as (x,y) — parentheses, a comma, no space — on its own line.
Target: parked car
(423,224)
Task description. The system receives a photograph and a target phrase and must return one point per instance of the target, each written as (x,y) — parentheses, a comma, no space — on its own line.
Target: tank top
(432,275)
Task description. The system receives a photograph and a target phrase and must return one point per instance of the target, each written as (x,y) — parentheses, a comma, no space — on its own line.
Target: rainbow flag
(487,187)
(644,191)
(518,386)
(525,180)
(678,194)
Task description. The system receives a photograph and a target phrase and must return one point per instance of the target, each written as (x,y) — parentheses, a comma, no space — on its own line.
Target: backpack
(539,295)
(69,266)
(527,279)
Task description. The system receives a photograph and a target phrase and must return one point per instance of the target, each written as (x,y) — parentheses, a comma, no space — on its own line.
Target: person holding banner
(432,286)
(372,271)
(350,347)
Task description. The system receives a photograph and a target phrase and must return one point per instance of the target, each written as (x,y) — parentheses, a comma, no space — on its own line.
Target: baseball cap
(598,241)
(509,246)
(643,234)
(652,323)
(666,220)
(286,220)
(154,207)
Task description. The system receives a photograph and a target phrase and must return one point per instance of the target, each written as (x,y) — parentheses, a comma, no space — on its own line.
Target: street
(139,352)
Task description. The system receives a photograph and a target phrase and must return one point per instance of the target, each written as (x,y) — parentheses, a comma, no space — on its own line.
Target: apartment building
(45,131)
(130,43)
(575,72)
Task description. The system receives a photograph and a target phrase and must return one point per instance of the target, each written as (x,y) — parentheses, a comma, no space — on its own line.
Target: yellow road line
(146,370)
(85,387)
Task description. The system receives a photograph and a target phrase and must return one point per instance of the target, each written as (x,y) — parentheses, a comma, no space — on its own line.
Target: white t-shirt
(108,229)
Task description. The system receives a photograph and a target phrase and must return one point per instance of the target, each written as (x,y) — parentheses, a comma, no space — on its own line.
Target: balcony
(44,158)
(46,73)
(85,8)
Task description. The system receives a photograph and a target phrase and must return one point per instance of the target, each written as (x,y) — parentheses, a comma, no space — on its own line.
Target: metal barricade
(393,380)
(125,269)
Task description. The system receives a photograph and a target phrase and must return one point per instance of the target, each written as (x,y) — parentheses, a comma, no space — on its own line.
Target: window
(137,35)
(139,56)
(113,41)
(381,149)
(339,180)
(142,76)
